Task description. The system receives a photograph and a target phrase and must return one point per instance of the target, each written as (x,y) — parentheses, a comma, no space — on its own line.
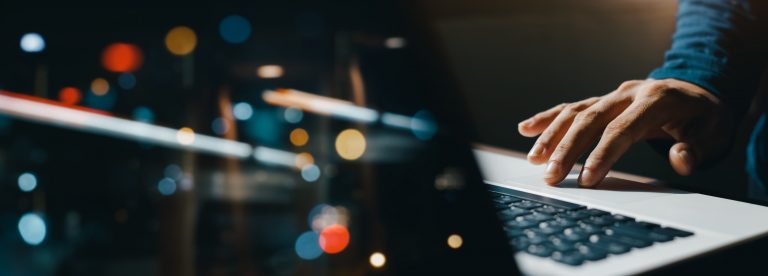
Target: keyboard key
(512,213)
(575,215)
(521,223)
(535,238)
(622,218)
(500,206)
(541,250)
(608,245)
(600,221)
(590,252)
(571,257)
(549,210)
(627,240)
(505,199)
(513,232)
(549,229)
(641,233)
(590,229)
(559,243)
(538,217)
(527,204)
(673,232)
(596,212)
(562,222)
(538,198)
(520,243)
(575,234)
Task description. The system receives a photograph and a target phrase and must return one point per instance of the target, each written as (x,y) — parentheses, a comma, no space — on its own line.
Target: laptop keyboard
(570,233)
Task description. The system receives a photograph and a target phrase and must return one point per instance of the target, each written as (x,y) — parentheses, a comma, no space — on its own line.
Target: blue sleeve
(719,45)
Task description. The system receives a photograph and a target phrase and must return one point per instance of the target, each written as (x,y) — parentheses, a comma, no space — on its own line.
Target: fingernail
(553,170)
(525,123)
(536,150)
(686,157)
(586,178)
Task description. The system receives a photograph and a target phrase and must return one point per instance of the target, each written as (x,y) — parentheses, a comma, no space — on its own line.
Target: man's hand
(641,109)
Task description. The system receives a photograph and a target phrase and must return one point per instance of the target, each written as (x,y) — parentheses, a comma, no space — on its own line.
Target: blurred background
(226,79)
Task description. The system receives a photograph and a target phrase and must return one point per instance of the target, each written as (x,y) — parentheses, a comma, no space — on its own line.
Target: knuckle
(618,131)
(627,85)
(587,116)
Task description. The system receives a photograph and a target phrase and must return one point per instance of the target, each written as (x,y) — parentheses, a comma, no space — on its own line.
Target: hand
(696,120)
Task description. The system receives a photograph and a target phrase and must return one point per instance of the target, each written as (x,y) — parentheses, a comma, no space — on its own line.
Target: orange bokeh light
(70,95)
(334,238)
(122,57)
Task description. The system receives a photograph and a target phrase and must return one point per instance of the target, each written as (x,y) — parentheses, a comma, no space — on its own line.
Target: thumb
(684,158)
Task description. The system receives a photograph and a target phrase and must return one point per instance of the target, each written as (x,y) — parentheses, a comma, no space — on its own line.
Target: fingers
(683,158)
(619,135)
(584,131)
(535,125)
(554,132)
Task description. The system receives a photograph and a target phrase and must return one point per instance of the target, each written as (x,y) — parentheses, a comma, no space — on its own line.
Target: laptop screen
(235,139)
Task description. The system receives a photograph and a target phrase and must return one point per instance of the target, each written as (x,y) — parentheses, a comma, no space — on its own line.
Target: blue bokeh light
(27,182)
(126,81)
(235,29)
(310,173)
(143,114)
(32,228)
(293,115)
(308,246)
(242,111)
(166,186)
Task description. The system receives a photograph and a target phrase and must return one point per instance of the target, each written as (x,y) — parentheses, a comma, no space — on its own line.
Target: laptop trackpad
(612,190)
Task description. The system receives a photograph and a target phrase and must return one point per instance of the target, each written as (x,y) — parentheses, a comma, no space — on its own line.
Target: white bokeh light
(32,43)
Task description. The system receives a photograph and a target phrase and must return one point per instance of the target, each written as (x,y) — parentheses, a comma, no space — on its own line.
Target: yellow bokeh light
(377,259)
(99,87)
(304,159)
(269,71)
(350,144)
(455,241)
(181,40)
(185,136)
(299,137)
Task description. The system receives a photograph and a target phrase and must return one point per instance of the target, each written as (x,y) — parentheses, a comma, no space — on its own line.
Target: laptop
(357,163)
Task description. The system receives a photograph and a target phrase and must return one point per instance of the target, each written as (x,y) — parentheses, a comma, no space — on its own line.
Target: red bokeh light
(334,238)
(70,95)
(122,57)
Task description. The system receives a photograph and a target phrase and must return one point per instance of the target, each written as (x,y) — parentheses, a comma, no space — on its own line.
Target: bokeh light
(235,29)
(181,40)
(166,186)
(27,182)
(126,81)
(143,114)
(299,137)
(303,159)
(185,136)
(310,173)
(70,95)
(242,111)
(455,241)
(122,57)
(377,259)
(307,246)
(350,144)
(334,238)
(324,215)
(99,87)
(219,126)
(293,115)
(173,171)
(269,71)
(32,43)
(32,228)
(423,125)
(395,42)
